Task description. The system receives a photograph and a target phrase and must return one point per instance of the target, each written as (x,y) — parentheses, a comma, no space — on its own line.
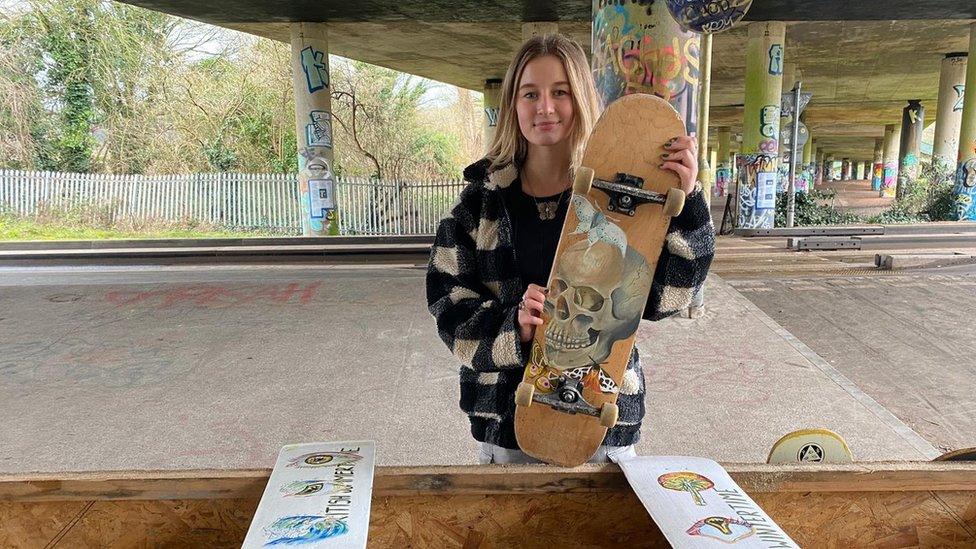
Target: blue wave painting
(301,529)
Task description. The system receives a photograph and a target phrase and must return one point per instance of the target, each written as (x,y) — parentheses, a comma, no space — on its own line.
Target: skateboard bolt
(625,200)
(568,396)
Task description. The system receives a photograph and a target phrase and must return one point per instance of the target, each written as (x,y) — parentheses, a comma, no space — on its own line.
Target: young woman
(490,263)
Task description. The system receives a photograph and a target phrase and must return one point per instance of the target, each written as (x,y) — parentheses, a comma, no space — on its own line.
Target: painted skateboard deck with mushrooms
(695,503)
(620,210)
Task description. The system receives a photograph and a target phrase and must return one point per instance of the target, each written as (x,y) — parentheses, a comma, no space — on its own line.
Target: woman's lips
(546,125)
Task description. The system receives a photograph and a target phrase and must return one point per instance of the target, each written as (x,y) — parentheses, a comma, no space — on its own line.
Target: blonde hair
(509,145)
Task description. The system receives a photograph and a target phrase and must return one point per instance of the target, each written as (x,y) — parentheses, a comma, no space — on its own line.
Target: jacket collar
(493,179)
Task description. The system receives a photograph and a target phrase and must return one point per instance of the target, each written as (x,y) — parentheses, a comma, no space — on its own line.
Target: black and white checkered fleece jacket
(474,288)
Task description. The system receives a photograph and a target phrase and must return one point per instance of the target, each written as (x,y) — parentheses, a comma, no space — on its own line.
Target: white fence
(230,200)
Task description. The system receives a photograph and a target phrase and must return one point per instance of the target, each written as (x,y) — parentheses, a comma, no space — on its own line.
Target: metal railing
(229,200)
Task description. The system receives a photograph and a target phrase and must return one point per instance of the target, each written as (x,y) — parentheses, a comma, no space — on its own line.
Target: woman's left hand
(682,159)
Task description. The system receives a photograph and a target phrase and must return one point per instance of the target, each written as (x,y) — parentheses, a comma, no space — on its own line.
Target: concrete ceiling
(861,60)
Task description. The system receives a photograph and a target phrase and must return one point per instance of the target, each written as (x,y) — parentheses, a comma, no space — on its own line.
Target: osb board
(594,519)
(131,523)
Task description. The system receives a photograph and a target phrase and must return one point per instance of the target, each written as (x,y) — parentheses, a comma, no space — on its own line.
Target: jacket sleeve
(688,250)
(477,327)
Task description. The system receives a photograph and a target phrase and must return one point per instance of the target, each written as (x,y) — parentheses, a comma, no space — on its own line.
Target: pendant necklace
(547,209)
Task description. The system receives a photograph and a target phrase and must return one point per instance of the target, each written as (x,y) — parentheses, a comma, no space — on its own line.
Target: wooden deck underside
(879,505)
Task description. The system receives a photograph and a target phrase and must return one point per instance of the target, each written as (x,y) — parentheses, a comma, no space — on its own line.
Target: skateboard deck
(695,503)
(810,446)
(620,209)
(318,496)
(963,454)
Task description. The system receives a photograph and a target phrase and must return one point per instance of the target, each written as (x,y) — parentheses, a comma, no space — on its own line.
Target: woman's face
(544,102)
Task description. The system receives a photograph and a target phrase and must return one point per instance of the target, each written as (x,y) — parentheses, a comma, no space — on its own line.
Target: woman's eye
(562,92)
(530,95)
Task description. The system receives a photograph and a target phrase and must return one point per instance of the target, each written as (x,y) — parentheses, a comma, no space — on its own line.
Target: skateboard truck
(626,192)
(567,397)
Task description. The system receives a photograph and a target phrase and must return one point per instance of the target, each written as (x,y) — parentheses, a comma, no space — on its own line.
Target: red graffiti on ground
(215,295)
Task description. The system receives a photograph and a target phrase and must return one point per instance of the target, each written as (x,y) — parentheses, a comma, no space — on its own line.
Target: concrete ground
(219,366)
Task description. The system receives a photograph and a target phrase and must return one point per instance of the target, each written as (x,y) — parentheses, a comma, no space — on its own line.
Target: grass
(90,223)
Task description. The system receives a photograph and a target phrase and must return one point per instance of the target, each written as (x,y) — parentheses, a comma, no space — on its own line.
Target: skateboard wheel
(675,202)
(608,415)
(584,179)
(523,394)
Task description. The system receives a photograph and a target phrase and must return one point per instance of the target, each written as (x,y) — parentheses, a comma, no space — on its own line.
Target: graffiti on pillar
(491,113)
(776,59)
(316,71)
(877,176)
(889,179)
(317,187)
(769,128)
(723,179)
(708,16)
(965,191)
(757,191)
(318,132)
(960,95)
(631,55)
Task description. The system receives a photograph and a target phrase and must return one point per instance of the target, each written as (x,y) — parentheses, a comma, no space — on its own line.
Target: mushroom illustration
(686,481)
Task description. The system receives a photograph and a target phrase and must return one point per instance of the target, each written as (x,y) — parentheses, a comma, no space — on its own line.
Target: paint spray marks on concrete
(216,296)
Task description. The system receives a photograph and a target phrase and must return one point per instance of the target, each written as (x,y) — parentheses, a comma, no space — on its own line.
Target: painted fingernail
(665,155)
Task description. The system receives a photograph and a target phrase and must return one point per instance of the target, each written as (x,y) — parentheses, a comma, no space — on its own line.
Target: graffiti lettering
(776,59)
(769,121)
(216,296)
(316,70)
(318,132)
(491,113)
(960,95)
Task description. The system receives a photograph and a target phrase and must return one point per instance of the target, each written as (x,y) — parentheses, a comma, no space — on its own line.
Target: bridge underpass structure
(862,63)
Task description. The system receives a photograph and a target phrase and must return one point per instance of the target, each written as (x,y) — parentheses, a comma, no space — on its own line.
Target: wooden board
(318,496)
(599,251)
(924,504)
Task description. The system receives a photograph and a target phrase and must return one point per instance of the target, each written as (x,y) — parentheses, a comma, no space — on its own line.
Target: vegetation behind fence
(230,200)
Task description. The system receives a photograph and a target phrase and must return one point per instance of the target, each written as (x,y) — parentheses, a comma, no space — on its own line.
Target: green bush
(813,208)
(928,198)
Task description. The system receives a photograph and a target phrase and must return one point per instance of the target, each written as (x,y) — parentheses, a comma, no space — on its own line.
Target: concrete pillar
(829,167)
(641,49)
(723,170)
(965,187)
(539,28)
(948,117)
(845,169)
(818,170)
(493,88)
(313,122)
(759,161)
(804,171)
(912,126)
(877,173)
(890,174)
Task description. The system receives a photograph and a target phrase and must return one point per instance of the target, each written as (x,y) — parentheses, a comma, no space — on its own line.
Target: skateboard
(621,206)
(695,503)
(318,496)
(963,454)
(810,446)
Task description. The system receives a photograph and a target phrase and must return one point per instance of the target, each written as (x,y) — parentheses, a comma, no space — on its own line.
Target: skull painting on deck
(596,298)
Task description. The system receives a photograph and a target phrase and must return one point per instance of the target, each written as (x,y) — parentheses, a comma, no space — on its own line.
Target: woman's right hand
(530,311)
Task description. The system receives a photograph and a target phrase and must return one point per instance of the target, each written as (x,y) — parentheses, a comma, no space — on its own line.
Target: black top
(535,239)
